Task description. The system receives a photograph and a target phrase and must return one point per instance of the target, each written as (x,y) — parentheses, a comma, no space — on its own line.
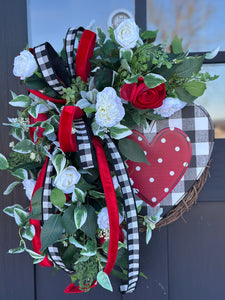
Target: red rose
(141,96)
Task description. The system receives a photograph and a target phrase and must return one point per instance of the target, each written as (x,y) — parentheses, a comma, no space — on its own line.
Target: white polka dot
(163,140)
(160,160)
(172,128)
(187,138)
(138,168)
(185,164)
(140,138)
(154,199)
(166,190)
(172,173)
(151,179)
(177,149)
(145,152)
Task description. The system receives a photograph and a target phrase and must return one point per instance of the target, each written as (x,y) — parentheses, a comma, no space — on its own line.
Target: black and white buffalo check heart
(195,121)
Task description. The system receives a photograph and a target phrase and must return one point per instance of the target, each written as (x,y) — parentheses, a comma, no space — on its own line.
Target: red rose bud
(141,96)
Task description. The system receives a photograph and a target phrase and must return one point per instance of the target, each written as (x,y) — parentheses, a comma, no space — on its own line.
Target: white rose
(127,33)
(103,219)
(28,185)
(24,65)
(67,179)
(169,107)
(110,110)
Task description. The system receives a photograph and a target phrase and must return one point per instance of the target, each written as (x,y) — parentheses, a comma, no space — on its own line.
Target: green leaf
(119,274)
(11,187)
(101,36)
(90,249)
(3,162)
(212,54)
(183,95)
(68,220)
(57,197)
(17,133)
(48,128)
(21,101)
(20,249)
(104,281)
(148,234)
(96,194)
(90,226)
(98,130)
(153,80)
(9,210)
(132,151)
(29,233)
(59,162)
(82,259)
(80,216)
(83,185)
(103,78)
(89,110)
(83,103)
(149,35)
(105,246)
(25,146)
(33,110)
(119,131)
(35,255)
(195,88)
(152,116)
(51,231)
(36,209)
(78,195)
(177,45)
(125,65)
(35,83)
(21,173)
(132,79)
(189,66)
(126,54)
(76,243)
(21,216)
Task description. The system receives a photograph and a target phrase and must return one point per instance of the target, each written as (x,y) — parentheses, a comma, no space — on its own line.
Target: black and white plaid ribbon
(84,146)
(47,211)
(52,67)
(69,47)
(131,217)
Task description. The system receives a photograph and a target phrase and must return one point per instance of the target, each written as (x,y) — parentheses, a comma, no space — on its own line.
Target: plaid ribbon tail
(131,216)
(47,212)
(84,147)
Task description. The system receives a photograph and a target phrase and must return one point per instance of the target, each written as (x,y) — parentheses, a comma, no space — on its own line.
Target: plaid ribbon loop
(131,217)
(53,68)
(69,46)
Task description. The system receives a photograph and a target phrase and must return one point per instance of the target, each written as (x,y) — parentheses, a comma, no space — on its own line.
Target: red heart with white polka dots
(169,156)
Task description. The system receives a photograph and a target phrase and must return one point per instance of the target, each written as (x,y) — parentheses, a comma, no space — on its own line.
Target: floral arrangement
(122,81)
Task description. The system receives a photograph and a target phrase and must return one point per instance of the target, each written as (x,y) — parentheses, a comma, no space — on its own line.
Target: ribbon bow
(58,75)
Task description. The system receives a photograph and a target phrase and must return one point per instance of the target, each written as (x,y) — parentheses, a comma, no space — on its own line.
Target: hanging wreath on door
(107,141)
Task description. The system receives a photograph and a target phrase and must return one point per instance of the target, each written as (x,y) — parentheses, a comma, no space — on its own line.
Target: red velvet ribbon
(84,54)
(67,140)
(44,97)
(113,213)
(36,223)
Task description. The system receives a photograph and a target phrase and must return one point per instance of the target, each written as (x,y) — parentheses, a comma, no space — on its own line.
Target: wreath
(98,126)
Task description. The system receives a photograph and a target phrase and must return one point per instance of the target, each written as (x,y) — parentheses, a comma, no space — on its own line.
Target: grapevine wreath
(107,140)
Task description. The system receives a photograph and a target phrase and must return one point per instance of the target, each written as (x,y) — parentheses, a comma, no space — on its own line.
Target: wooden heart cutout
(169,155)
